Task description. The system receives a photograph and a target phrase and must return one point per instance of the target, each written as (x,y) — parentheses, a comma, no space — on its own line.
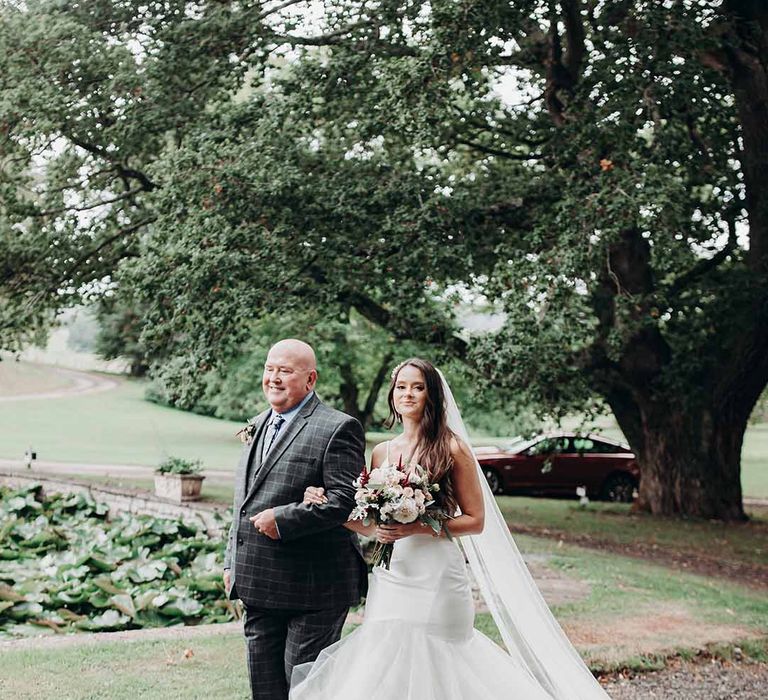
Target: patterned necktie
(275,425)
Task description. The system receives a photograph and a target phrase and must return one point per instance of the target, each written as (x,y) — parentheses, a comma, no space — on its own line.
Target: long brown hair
(434,443)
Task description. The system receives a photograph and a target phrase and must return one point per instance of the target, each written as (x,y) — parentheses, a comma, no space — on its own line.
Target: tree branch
(554,70)
(277,8)
(704,266)
(108,241)
(146,184)
(575,35)
(497,152)
(61,210)
(342,36)
(440,336)
(331,39)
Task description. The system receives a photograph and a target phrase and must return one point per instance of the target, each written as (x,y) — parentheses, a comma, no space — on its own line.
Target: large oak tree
(595,168)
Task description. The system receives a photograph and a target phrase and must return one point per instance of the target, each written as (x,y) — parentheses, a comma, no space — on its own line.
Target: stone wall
(212,516)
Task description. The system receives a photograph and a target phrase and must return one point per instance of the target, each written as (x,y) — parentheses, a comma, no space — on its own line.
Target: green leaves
(147,571)
(67,567)
(108,620)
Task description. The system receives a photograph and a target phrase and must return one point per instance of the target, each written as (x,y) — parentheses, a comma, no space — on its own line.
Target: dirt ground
(754,575)
(655,630)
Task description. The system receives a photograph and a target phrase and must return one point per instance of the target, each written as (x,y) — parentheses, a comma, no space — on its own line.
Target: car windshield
(519,444)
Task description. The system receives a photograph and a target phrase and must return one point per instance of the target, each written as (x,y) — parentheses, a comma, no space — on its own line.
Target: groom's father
(294,566)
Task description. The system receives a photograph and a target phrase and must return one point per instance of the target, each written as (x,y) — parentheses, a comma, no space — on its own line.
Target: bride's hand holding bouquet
(400,500)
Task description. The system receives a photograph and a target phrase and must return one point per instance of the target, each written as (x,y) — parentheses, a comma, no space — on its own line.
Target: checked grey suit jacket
(316,563)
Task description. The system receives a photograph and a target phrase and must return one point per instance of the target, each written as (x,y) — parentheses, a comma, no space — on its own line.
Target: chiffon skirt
(417,640)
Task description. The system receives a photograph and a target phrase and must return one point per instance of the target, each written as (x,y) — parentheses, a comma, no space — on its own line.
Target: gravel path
(713,680)
(129,471)
(77,384)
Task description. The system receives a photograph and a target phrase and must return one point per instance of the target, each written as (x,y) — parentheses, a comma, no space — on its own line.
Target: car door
(543,474)
(579,465)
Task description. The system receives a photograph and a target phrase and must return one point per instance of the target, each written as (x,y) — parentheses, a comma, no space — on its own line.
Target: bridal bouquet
(399,493)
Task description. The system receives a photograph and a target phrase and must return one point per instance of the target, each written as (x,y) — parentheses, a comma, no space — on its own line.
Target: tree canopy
(593,168)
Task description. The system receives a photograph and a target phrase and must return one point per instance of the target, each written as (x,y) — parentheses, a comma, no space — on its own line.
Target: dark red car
(556,464)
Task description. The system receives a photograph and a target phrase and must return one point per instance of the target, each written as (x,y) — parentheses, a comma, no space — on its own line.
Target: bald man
(295,567)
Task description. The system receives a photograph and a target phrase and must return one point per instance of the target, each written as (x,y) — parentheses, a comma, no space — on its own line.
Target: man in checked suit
(295,567)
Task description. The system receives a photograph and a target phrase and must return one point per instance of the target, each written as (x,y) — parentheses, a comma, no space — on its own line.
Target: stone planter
(179,488)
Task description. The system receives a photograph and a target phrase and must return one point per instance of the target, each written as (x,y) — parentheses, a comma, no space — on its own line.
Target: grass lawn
(622,584)
(625,591)
(621,590)
(150,670)
(120,427)
(115,427)
(615,523)
(754,461)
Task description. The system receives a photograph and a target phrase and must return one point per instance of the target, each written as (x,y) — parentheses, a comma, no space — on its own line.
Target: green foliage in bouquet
(65,567)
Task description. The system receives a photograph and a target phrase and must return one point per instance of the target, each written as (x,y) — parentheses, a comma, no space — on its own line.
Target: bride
(417,640)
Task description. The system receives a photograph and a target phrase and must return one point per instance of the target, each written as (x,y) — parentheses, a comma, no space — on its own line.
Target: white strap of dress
(388,441)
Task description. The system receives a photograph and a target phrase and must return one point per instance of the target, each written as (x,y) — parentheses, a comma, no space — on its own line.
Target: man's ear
(312,380)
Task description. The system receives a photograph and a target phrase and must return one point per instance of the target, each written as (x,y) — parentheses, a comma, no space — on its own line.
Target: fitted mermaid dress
(417,641)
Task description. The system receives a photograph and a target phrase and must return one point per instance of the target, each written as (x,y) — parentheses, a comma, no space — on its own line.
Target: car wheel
(619,488)
(493,479)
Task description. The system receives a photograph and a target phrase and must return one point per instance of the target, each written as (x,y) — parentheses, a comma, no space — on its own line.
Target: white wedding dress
(417,640)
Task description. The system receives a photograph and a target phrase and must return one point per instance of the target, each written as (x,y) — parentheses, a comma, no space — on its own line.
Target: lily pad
(111,619)
(182,607)
(63,567)
(124,603)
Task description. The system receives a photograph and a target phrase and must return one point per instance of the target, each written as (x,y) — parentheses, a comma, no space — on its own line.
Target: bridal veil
(530,632)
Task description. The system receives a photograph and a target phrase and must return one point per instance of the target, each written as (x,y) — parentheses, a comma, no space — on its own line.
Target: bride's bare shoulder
(379,454)
(460,451)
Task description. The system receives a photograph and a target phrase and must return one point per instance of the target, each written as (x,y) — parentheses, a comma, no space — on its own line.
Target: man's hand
(227,580)
(266,524)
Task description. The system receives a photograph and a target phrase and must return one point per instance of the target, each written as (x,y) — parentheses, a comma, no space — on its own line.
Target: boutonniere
(248,432)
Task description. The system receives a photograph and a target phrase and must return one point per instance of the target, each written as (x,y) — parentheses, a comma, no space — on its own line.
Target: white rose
(377,476)
(393,477)
(406,511)
(408,492)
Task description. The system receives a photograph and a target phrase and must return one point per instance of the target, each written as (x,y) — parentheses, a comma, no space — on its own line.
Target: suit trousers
(277,640)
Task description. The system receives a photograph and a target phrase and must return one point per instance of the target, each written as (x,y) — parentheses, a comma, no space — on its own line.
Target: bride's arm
(468,494)
(467,491)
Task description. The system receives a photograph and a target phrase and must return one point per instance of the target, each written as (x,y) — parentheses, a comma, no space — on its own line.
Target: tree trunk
(375,388)
(138,367)
(348,390)
(688,444)
(746,47)
(690,459)
(690,453)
